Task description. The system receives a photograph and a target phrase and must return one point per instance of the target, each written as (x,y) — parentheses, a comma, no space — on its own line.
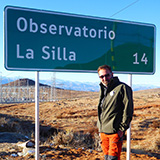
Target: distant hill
(23,82)
(138,87)
(68,85)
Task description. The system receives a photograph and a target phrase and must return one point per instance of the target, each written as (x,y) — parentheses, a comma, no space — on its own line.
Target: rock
(14,155)
(28,147)
(30,144)
(27,144)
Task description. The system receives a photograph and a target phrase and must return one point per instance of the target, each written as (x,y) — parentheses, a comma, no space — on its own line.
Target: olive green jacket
(115,108)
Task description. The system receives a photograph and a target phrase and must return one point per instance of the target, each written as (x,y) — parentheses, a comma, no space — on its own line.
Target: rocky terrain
(68,128)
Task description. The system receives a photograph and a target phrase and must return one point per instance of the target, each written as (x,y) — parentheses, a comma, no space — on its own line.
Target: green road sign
(39,40)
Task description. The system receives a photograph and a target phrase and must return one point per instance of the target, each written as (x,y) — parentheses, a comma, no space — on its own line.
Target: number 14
(143,59)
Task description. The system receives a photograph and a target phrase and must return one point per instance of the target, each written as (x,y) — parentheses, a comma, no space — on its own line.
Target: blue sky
(145,11)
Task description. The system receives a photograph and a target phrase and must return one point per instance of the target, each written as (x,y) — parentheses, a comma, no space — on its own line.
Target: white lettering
(72,56)
(68,31)
(92,33)
(77,32)
(52,29)
(105,32)
(58,53)
(22,22)
(84,31)
(99,33)
(60,29)
(30,54)
(43,27)
(18,52)
(46,52)
(33,26)
(111,35)
(64,54)
(53,52)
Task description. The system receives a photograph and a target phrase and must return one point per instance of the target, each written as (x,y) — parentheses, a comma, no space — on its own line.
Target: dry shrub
(152,141)
(8,124)
(83,140)
(63,138)
(155,145)
(76,139)
(97,140)
(155,124)
(59,116)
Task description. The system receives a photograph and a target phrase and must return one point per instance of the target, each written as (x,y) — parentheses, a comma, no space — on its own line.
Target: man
(115,110)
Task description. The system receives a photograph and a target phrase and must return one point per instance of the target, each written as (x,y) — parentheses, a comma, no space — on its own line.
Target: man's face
(105,76)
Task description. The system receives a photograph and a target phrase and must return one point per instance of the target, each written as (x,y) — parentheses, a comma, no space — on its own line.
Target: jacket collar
(111,85)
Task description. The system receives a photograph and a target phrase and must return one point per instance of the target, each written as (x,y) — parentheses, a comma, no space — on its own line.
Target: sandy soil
(77,117)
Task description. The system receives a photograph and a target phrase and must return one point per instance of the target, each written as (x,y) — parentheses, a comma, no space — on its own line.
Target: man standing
(115,111)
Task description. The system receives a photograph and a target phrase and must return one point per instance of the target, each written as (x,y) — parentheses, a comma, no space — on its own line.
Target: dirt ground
(76,118)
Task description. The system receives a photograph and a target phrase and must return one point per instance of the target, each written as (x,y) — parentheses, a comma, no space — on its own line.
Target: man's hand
(120,133)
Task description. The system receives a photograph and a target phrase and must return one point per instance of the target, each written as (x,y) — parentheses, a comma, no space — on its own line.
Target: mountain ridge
(68,85)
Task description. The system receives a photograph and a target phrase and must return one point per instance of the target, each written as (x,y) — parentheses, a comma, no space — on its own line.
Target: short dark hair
(104,67)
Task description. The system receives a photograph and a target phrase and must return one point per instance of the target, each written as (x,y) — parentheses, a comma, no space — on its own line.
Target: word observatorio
(30,25)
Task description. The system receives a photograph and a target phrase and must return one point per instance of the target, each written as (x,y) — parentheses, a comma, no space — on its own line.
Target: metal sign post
(37,115)
(129,129)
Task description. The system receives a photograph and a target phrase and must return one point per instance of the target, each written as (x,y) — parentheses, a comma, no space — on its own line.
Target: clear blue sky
(145,11)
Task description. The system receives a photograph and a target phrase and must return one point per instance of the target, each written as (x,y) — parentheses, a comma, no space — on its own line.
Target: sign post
(129,129)
(37,115)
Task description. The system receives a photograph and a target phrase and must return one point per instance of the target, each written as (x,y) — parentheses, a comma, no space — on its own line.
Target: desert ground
(68,128)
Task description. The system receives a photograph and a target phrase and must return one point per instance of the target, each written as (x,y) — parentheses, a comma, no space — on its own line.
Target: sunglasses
(106,75)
